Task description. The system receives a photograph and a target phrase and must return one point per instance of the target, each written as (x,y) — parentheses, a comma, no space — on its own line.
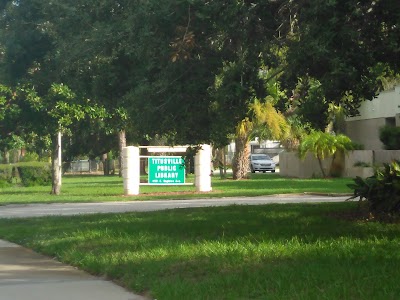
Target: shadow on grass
(286,251)
(26,192)
(277,222)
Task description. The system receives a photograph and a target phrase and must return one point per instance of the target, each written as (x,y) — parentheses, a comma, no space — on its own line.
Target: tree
(311,106)
(262,121)
(92,38)
(212,73)
(168,53)
(32,65)
(346,45)
(240,162)
(53,114)
(9,122)
(139,58)
(322,145)
(26,42)
(265,123)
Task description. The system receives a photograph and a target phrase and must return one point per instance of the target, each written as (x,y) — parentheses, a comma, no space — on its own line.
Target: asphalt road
(66,209)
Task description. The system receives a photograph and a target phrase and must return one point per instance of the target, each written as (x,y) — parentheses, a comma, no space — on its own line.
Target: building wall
(386,156)
(366,132)
(381,111)
(292,166)
(386,105)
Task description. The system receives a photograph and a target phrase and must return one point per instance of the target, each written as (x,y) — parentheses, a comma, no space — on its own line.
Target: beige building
(381,111)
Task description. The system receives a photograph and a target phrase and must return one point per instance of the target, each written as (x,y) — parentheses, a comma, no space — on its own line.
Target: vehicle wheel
(252,170)
(273,171)
(263,171)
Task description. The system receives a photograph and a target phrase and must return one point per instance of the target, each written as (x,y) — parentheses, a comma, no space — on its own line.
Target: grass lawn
(109,188)
(286,251)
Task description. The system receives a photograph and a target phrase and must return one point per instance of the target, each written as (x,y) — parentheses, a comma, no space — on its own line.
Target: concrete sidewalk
(25,274)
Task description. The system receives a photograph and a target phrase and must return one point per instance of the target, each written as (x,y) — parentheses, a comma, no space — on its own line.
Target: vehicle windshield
(260,157)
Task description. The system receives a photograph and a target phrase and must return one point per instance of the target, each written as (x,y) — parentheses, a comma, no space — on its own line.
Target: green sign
(166,170)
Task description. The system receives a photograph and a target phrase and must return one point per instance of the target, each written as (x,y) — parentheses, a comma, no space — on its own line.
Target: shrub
(362,164)
(30,156)
(34,173)
(357,146)
(390,137)
(4,183)
(6,173)
(382,190)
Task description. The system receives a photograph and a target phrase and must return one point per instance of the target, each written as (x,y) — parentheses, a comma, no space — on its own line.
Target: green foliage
(10,123)
(362,164)
(324,144)
(343,44)
(268,123)
(30,156)
(312,105)
(357,146)
(34,173)
(6,173)
(382,190)
(5,97)
(390,137)
(4,184)
(196,64)
(59,108)
(298,130)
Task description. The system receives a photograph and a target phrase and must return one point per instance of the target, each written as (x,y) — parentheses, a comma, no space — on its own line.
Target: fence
(292,166)
(90,166)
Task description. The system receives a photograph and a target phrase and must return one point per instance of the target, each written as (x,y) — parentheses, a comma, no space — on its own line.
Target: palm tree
(266,123)
(240,163)
(296,133)
(323,144)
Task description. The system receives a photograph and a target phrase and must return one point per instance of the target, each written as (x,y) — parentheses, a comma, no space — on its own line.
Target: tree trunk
(106,169)
(320,165)
(121,144)
(220,162)
(337,164)
(6,157)
(56,166)
(224,159)
(240,164)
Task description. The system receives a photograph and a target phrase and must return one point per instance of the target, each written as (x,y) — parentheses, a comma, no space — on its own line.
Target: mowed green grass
(97,188)
(280,251)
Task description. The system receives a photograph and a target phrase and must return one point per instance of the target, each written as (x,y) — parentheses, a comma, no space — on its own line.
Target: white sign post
(202,169)
(131,170)
(131,167)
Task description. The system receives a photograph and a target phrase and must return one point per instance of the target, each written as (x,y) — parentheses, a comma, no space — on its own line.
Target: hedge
(6,174)
(34,173)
